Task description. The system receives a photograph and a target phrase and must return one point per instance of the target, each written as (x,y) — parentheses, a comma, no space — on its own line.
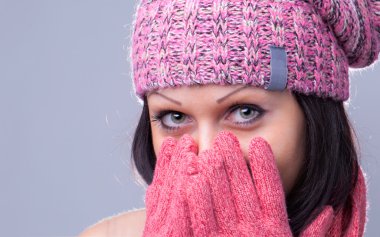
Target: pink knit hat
(303,45)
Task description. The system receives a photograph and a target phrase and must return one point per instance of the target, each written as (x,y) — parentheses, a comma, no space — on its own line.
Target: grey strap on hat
(278,69)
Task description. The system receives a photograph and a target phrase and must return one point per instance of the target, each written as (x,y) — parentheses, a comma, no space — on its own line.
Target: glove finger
(184,146)
(163,159)
(153,191)
(321,225)
(243,191)
(199,200)
(267,179)
(212,166)
(179,213)
(161,194)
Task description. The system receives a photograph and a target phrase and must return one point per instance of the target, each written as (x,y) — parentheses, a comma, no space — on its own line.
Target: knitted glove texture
(219,193)
(166,210)
(226,199)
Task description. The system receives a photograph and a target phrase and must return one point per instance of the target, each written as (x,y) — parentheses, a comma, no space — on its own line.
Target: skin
(196,111)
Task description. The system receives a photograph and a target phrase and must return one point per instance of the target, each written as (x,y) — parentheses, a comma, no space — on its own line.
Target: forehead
(209,91)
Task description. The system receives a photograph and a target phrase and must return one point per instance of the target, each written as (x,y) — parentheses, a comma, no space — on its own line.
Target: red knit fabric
(354,215)
(166,211)
(224,42)
(217,194)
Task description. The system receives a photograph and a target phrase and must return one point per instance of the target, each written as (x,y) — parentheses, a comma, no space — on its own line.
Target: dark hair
(330,167)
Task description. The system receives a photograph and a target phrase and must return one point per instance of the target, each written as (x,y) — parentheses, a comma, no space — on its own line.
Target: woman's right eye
(170,120)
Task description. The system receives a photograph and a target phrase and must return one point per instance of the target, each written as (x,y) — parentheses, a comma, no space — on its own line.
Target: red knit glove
(166,210)
(225,200)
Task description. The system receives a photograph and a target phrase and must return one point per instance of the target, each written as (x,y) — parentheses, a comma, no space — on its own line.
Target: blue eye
(245,114)
(173,118)
(169,119)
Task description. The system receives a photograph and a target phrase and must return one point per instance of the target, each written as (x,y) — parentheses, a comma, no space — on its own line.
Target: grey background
(68,114)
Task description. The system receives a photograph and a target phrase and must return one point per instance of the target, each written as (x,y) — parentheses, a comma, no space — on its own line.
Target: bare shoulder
(127,224)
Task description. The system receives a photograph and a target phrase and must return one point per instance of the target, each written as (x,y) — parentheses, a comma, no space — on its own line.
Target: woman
(243,130)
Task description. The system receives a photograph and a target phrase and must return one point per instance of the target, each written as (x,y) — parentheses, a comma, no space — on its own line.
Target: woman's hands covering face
(218,194)
(234,201)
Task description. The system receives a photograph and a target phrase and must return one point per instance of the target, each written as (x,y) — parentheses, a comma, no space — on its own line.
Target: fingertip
(261,156)
(187,143)
(167,146)
(226,139)
(259,146)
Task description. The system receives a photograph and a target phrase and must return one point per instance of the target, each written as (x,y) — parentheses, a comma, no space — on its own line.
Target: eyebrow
(168,98)
(220,100)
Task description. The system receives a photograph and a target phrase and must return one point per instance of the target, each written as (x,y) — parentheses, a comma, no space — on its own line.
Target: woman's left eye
(245,114)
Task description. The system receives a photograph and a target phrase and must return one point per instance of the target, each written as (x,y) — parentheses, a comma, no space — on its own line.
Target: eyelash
(254,107)
(158,116)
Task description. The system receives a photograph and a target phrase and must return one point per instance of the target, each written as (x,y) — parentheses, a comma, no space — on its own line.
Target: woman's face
(249,112)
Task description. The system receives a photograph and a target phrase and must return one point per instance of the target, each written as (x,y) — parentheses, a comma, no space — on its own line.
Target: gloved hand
(225,200)
(167,213)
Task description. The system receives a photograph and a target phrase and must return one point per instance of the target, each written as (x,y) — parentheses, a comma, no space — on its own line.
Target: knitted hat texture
(310,44)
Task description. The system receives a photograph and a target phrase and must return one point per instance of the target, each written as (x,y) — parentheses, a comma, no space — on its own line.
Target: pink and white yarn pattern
(227,42)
